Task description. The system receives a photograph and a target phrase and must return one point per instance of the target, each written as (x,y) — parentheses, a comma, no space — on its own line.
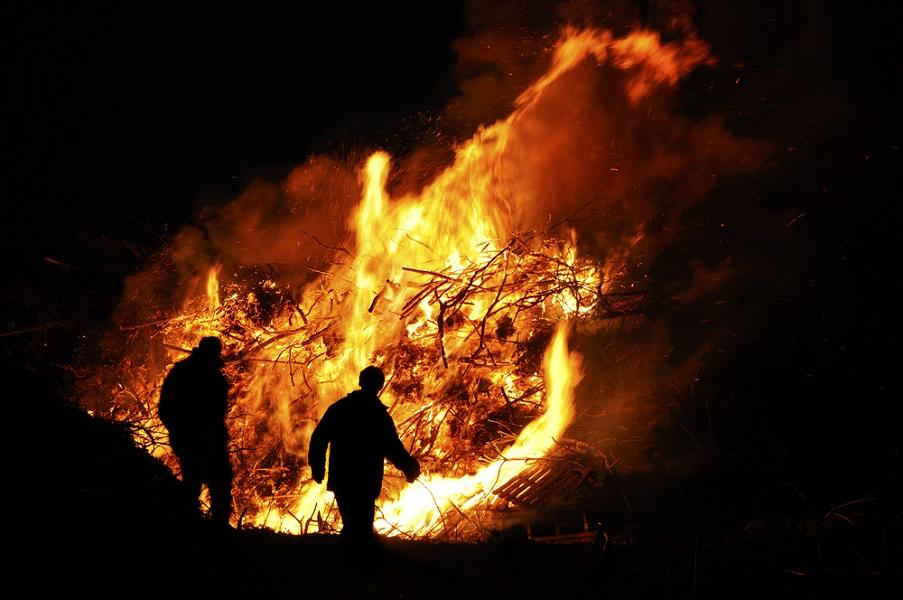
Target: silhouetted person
(193,406)
(362,435)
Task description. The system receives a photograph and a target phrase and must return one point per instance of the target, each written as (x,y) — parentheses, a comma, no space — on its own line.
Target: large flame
(420,508)
(387,241)
(444,295)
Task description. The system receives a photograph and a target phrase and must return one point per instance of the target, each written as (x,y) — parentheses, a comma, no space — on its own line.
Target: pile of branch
(492,319)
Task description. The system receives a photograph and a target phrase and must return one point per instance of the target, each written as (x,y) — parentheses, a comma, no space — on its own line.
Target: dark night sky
(149,113)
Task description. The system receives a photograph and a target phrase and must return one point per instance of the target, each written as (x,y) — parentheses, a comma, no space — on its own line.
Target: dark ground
(117,141)
(98,515)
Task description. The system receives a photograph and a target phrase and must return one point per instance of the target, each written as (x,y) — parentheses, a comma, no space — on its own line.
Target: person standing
(193,407)
(361,435)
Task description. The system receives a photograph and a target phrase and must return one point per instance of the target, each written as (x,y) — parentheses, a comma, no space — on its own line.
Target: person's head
(210,349)
(371,379)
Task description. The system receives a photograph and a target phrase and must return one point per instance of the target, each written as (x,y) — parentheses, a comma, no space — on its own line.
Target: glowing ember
(439,292)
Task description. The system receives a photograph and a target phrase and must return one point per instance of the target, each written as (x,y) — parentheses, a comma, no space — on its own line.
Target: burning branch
(486,320)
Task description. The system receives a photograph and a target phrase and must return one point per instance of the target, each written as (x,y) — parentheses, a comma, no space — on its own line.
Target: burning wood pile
(468,321)
(463,384)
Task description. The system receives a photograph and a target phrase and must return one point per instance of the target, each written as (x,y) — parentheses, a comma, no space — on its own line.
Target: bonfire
(468,316)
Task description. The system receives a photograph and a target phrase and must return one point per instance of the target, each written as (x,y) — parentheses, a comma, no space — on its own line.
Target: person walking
(361,435)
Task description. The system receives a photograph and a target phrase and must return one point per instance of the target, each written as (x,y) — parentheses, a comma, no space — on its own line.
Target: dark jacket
(194,403)
(362,435)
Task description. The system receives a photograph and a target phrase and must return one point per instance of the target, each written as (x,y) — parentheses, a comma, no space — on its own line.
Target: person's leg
(360,550)
(220,486)
(357,516)
(192,477)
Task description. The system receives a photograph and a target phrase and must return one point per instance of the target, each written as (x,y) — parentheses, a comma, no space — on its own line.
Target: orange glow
(213,290)
(443,293)
(419,509)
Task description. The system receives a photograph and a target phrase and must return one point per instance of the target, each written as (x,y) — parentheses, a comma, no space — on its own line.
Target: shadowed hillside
(100,515)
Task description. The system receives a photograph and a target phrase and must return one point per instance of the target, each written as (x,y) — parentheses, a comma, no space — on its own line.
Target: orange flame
(419,509)
(213,289)
(431,273)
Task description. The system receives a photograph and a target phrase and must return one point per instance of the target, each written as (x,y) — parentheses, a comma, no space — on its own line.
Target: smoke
(637,177)
(293,224)
(605,148)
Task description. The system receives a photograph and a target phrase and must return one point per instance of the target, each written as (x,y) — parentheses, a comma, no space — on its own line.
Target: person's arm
(165,404)
(397,453)
(171,406)
(223,396)
(316,453)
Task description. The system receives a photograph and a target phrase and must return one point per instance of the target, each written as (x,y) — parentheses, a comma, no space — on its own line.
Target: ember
(468,317)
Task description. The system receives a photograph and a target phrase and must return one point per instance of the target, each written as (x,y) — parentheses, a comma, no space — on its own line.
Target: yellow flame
(420,508)
(213,301)
(457,230)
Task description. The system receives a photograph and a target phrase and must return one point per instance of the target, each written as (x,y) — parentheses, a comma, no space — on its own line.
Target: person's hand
(413,473)
(317,475)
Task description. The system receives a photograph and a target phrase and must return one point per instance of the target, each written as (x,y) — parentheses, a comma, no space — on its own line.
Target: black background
(121,112)
(122,115)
